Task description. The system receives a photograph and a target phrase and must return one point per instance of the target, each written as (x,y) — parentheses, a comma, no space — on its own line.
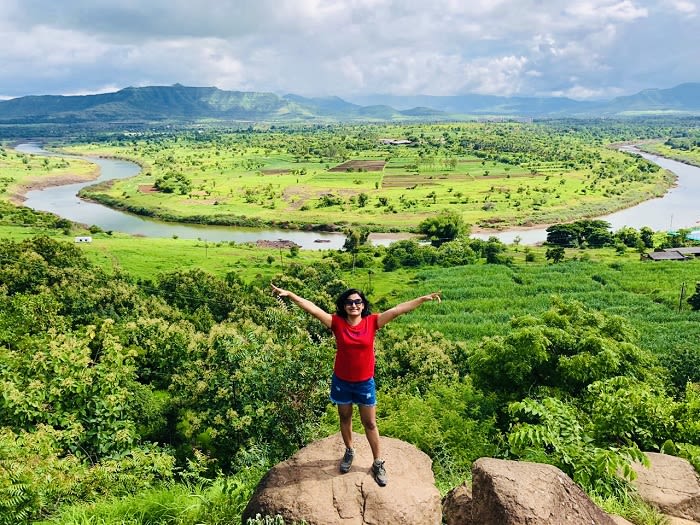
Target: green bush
(551,431)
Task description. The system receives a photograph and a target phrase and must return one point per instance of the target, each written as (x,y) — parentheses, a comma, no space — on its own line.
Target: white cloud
(605,10)
(579,92)
(683,6)
(336,47)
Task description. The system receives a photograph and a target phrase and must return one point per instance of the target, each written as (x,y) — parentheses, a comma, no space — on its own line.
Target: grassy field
(493,176)
(690,156)
(19,171)
(479,299)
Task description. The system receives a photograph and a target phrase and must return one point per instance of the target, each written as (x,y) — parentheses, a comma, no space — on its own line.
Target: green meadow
(494,175)
(19,172)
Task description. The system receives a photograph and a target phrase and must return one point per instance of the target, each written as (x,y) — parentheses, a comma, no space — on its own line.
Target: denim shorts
(347,392)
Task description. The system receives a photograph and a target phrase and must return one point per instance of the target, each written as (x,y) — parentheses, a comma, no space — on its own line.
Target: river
(678,208)
(64,202)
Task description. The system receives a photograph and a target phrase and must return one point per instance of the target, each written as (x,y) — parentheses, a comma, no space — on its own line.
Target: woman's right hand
(279,292)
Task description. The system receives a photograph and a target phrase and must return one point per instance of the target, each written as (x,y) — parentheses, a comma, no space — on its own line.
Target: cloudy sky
(582,49)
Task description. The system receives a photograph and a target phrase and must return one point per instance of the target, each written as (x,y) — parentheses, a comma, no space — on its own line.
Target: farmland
(494,175)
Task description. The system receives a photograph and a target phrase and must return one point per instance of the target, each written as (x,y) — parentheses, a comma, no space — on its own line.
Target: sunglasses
(351,302)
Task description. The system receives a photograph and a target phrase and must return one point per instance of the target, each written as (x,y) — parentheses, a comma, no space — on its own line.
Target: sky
(582,49)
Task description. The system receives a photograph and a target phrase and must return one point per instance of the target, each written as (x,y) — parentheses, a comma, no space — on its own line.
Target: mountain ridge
(186,104)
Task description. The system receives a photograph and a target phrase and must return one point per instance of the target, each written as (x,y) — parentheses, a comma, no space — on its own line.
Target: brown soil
(147,188)
(280,243)
(274,172)
(356,165)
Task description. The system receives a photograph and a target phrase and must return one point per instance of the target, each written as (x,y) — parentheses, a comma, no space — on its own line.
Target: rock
(522,493)
(457,506)
(619,520)
(670,484)
(672,520)
(308,486)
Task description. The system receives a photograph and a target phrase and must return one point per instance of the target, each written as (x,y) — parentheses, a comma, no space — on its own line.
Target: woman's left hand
(435,296)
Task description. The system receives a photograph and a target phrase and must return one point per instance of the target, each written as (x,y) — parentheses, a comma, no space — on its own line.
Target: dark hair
(340,303)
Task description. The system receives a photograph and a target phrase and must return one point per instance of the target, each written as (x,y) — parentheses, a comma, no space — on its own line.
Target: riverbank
(18,194)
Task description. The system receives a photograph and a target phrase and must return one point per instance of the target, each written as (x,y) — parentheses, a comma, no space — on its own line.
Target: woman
(354,327)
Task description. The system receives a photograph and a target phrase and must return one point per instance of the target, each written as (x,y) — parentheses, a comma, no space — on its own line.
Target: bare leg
(368,416)
(345,413)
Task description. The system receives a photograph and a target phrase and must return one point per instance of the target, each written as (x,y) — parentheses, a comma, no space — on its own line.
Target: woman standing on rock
(354,327)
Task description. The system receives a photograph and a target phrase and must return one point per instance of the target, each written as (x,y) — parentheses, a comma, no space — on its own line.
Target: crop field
(493,175)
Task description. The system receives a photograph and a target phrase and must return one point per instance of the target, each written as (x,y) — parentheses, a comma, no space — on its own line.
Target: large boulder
(670,484)
(308,486)
(522,493)
(457,506)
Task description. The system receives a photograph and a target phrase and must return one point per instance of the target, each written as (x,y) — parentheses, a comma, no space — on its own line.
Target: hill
(179,104)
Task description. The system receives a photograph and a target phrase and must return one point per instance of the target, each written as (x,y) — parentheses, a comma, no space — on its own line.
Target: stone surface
(672,520)
(457,506)
(619,520)
(308,486)
(522,493)
(670,484)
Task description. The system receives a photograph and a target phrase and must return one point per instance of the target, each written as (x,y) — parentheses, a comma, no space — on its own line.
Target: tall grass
(220,503)
(479,300)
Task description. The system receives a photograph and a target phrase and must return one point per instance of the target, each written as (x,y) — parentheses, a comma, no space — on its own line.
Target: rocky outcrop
(308,486)
(670,484)
(457,506)
(521,493)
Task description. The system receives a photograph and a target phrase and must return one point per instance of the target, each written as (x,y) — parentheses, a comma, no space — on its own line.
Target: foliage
(624,409)
(111,387)
(694,300)
(36,474)
(413,358)
(567,348)
(550,431)
(631,507)
(173,183)
(452,422)
(242,390)
(216,502)
(555,254)
(408,254)
(446,226)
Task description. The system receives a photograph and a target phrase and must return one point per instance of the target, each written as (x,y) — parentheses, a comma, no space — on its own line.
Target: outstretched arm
(406,307)
(304,304)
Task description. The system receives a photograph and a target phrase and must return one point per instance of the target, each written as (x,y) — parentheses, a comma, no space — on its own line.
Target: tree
(555,254)
(567,348)
(565,235)
(446,226)
(354,238)
(694,300)
(647,236)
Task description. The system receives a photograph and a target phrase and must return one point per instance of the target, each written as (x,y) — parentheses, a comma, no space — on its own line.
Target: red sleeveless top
(354,357)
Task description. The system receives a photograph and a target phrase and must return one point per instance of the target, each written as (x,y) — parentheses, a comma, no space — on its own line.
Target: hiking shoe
(346,463)
(379,472)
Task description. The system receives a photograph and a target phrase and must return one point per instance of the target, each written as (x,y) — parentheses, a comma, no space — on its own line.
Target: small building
(83,239)
(688,251)
(396,142)
(666,255)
